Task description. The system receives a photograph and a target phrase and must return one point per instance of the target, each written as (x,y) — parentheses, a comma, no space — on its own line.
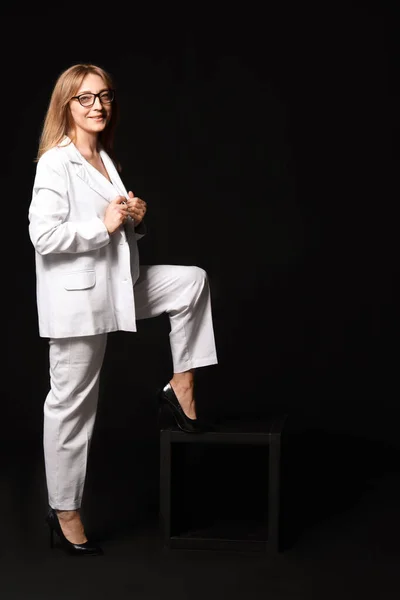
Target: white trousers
(75,364)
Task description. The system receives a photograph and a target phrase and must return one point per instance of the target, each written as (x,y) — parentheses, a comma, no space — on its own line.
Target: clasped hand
(121,208)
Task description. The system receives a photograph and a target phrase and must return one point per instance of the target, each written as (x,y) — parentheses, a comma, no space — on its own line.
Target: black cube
(206,481)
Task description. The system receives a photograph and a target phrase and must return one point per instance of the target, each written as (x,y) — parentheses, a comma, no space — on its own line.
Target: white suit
(88,284)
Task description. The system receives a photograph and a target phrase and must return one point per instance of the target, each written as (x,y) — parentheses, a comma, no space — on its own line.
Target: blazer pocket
(81,280)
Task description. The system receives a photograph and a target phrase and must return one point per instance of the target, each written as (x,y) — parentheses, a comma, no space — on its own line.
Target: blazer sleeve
(49,228)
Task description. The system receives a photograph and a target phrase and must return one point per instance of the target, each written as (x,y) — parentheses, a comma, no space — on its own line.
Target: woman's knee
(197,276)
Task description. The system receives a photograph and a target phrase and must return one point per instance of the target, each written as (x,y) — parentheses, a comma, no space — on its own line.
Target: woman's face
(94,118)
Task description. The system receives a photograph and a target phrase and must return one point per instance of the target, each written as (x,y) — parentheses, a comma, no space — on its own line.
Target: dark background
(264,139)
(265,144)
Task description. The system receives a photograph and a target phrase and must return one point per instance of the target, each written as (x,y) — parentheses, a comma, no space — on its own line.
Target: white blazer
(84,276)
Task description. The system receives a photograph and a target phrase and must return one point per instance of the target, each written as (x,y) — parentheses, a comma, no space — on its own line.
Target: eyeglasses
(105,97)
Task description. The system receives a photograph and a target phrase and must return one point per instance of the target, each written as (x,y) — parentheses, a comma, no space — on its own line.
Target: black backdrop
(264,145)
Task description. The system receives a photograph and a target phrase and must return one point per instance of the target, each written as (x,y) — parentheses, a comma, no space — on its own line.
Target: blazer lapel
(113,173)
(83,172)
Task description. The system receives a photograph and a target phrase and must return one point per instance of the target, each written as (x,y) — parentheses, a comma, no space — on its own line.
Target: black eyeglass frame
(94,97)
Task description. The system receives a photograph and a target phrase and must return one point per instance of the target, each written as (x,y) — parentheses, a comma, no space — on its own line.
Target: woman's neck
(87,145)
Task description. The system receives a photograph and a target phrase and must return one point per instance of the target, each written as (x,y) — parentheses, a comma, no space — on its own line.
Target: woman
(84,227)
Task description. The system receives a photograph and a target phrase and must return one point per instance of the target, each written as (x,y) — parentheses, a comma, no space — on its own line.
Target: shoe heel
(86,548)
(166,419)
(168,398)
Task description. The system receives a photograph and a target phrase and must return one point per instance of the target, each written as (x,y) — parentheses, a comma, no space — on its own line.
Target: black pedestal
(221,489)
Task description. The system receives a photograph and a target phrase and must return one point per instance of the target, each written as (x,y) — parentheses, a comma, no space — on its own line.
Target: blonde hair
(58,120)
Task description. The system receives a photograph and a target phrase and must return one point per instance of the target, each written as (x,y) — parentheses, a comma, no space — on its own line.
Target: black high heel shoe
(168,399)
(87,548)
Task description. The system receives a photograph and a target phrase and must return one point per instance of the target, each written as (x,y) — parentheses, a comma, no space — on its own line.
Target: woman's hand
(136,208)
(116,213)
